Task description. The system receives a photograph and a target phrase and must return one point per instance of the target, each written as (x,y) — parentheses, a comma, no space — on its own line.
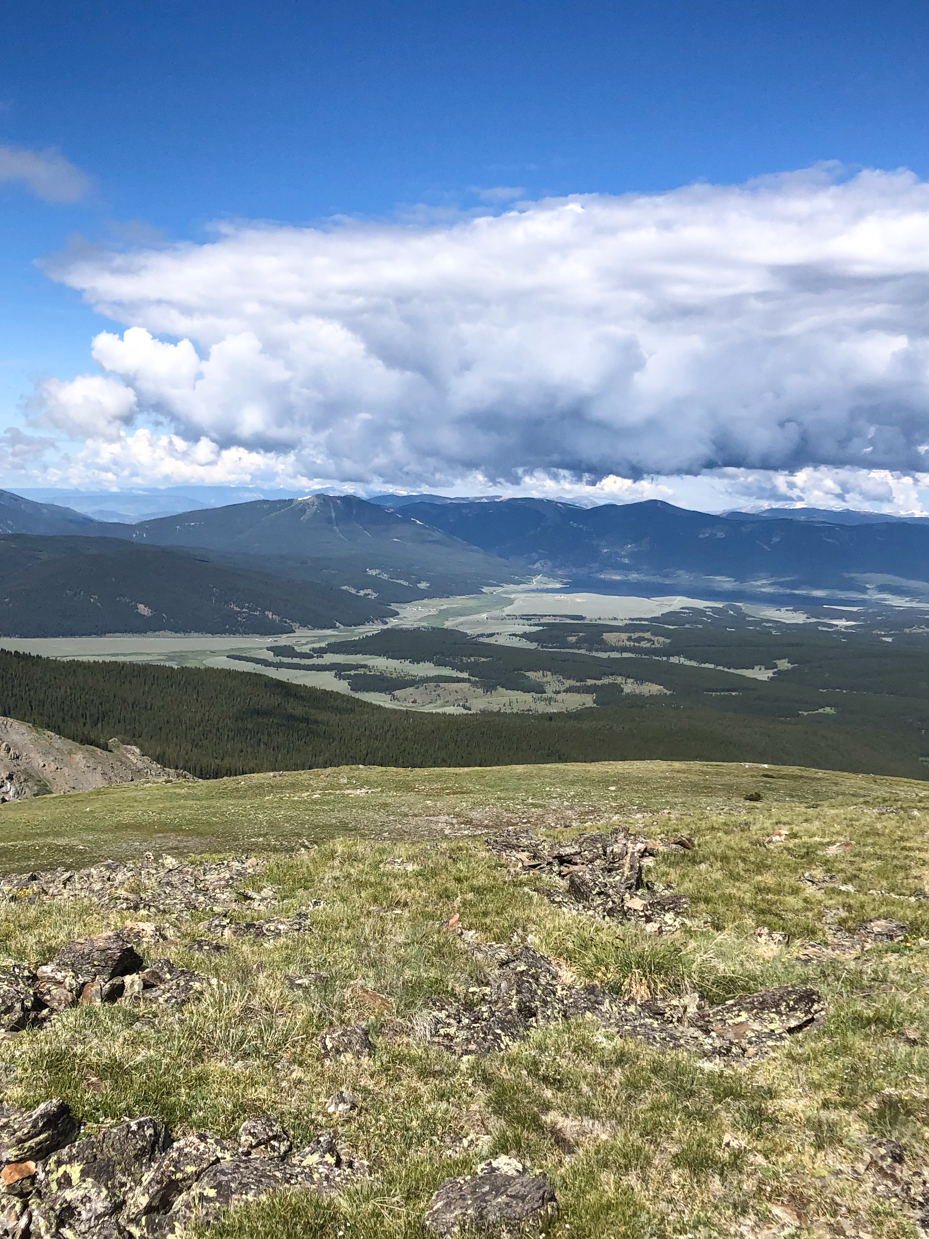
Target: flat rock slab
(501,1199)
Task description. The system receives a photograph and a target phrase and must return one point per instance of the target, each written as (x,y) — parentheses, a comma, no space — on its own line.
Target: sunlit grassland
(675,1146)
(270,812)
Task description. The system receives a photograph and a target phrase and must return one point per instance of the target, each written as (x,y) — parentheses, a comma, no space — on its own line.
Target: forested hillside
(85,586)
(216,723)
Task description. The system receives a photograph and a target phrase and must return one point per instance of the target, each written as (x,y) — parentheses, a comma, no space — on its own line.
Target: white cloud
(146,458)
(874,490)
(19,451)
(777,326)
(47,174)
(90,406)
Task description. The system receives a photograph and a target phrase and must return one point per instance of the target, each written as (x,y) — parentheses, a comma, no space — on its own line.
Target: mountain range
(828,516)
(649,546)
(323,560)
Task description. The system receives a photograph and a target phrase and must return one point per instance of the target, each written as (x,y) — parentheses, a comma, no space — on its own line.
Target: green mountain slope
(215,723)
(652,547)
(19,515)
(51,587)
(339,540)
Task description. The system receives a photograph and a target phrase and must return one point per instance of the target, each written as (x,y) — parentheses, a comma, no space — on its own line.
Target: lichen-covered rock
(322,1157)
(90,1181)
(226,1184)
(602,873)
(760,1020)
(174,1173)
(15,1218)
(263,931)
(346,1041)
(30,1135)
(19,1003)
(131,1181)
(318,1168)
(501,1199)
(263,1137)
(16,1178)
(169,986)
(526,991)
(100,958)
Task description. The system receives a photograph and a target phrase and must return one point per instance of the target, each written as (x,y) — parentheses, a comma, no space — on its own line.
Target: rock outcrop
(34,762)
(525,990)
(602,873)
(103,969)
(162,887)
(502,1199)
(132,1180)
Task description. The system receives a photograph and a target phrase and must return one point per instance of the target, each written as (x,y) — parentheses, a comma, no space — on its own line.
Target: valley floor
(503,614)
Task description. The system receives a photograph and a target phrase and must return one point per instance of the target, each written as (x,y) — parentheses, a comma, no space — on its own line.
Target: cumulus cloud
(47,174)
(869,490)
(779,325)
(20,451)
(90,406)
(146,458)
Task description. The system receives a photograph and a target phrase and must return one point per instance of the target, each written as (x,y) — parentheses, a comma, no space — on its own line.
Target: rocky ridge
(34,762)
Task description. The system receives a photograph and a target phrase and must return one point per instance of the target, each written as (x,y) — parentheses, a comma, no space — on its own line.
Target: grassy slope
(686,1150)
(275,811)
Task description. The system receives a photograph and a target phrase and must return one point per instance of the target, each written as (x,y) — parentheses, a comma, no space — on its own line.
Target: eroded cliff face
(34,762)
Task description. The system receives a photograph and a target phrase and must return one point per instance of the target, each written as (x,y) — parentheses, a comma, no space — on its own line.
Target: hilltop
(641,998)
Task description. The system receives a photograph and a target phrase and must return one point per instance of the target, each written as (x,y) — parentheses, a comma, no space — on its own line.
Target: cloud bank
(47,174)
(781,325)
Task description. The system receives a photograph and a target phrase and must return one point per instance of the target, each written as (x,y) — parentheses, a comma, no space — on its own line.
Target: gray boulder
(501,1199)
(100,958)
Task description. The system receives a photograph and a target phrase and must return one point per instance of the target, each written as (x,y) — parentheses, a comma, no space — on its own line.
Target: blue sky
(183,115)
